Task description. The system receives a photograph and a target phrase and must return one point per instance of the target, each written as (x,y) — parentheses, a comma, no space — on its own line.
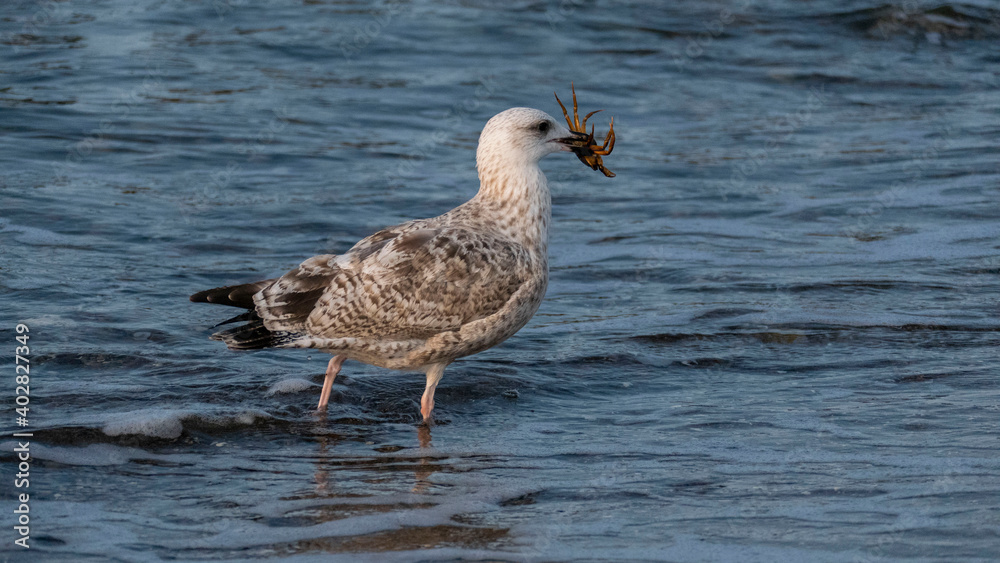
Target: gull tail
(250,336)
(233,295)
(253,335)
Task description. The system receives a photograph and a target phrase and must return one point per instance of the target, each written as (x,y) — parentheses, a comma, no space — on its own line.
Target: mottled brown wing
(287,304)
(405,282)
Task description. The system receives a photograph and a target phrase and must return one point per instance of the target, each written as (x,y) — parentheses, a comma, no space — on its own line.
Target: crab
(589,152)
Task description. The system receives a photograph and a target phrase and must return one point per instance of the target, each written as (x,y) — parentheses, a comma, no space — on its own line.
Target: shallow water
(771,337)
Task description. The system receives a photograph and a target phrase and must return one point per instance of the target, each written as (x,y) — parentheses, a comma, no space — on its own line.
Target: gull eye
(543,126)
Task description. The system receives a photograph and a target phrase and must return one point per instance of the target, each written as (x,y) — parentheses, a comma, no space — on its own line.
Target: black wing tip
(233,295)
(200,297)
(248,316)
(250,336)
(253,335)
(214,295)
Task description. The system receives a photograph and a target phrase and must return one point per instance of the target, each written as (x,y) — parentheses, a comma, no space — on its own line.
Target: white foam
(225,419)
(247,418)
(169,423)
(294,385)
(158,423)
(51,321)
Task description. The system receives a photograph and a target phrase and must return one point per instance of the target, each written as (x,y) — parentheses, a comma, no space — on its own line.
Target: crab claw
(582,143)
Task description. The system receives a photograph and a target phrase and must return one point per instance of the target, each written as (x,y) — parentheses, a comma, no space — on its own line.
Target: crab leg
(610,139)
(583,126)
(576,115)
(590,154)
(566,115)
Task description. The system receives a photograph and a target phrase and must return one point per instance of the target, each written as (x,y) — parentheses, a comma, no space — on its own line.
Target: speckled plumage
(418,295)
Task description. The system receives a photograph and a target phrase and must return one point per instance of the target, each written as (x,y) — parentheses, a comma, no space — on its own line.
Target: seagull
(419,295)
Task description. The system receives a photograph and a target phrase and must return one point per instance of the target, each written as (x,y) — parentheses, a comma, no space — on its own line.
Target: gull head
(522,136)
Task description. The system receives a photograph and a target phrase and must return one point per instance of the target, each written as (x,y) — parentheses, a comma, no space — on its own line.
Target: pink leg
(332,369)
(434,374)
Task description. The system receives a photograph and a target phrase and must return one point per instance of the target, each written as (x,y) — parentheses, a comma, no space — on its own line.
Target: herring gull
(419,295)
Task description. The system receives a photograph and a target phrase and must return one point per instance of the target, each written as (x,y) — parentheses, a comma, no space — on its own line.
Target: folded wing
(408,282)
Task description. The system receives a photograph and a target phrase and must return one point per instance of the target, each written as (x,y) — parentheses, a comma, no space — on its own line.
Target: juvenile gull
(417,296)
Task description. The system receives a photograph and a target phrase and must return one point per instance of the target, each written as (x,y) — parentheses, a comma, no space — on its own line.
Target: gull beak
(577,142)
(582,146)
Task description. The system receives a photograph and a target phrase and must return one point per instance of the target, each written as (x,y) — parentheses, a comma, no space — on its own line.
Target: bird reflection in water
(326,441)
(425,466)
